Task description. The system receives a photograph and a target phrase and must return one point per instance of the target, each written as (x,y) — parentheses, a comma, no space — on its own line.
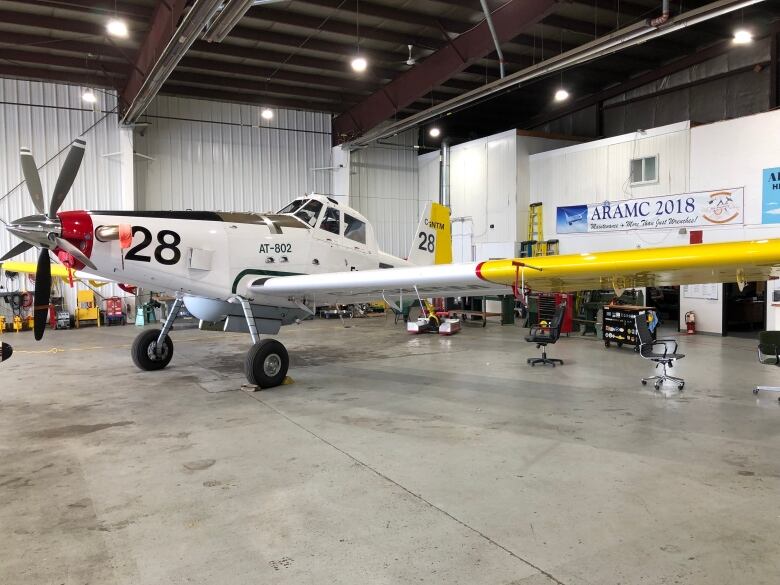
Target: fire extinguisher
(690,322)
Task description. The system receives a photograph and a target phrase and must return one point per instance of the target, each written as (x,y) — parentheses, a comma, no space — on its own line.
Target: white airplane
(256,272)
(572,219)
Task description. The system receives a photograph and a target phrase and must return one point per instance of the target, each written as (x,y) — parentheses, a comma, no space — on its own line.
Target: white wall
(220,156)
(383,187)
(598,171)
(46,117)
(732,153)
(490,190)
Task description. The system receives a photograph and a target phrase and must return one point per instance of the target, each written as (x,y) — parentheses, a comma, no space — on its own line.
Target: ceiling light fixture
(434,132)
(359,64)
(89,96)
(743,37)
(267,114)
(561,95)
(117,28)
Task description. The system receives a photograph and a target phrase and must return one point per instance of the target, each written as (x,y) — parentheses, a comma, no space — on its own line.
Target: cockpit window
(294,206)
(310,212)
(331,221)
(355,229)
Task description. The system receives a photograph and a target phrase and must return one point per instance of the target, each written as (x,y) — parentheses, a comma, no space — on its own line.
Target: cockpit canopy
(325,213)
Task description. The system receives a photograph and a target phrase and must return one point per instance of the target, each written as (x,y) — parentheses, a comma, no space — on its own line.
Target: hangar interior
(474,184)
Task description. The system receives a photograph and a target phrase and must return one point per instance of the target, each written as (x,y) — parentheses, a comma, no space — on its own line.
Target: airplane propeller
(44,230)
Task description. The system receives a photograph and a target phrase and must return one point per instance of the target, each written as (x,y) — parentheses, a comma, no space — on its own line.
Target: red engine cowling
(77,229)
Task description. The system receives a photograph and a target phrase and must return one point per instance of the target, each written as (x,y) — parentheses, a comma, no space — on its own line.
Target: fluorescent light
(434,132)
(117,28)
(359,64)
(743,37)
(89,96)
(267,114)
(561,95)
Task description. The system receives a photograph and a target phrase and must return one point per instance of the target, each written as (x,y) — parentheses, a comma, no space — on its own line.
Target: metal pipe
(226,19)
(444,173)
(664,15)
(181,40)
(627,37)
(489,21)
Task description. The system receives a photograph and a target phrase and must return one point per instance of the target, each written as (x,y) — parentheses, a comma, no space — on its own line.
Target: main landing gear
(265,365)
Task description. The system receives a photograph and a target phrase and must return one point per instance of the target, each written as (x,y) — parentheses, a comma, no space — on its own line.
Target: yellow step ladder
(536,230)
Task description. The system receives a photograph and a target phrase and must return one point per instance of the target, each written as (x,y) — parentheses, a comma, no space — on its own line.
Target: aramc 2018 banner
(703,208)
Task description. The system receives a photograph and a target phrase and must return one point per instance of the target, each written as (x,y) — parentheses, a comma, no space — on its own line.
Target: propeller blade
(42,292)
(68,174)
(5,352)
(16,250)
(33,179)
(75,252)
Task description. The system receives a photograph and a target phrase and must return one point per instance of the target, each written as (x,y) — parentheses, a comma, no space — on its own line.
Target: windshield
(294,206)
(310,212)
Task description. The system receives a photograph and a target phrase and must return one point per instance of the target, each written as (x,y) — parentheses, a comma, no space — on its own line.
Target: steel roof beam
(246,98)
(454,57)
(72,77)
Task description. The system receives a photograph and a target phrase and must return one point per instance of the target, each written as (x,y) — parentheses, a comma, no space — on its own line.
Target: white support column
(127,165)
(340,175)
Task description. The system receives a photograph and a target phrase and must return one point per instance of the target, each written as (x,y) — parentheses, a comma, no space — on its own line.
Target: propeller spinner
(44,229)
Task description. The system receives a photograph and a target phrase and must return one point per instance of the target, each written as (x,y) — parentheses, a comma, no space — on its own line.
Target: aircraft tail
(432,242)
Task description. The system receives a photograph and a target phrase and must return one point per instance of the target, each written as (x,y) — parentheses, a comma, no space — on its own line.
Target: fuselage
(216,255)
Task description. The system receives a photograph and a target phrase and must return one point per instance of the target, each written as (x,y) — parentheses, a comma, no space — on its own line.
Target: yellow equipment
(536,244)
(86,308)
(2,324)
(17,325)
(536,229)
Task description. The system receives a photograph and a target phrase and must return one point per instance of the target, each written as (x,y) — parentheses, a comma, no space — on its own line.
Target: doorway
(666,301)
(744,311)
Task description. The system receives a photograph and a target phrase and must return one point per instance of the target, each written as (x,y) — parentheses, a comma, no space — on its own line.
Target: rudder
(433,239)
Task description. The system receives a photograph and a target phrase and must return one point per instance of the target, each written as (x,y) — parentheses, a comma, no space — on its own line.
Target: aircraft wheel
(143,351)
(266,363)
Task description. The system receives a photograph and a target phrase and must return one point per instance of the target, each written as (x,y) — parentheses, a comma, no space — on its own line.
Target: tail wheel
(266,363)
(144,351)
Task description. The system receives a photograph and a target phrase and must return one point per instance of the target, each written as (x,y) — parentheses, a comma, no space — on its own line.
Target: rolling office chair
(768,353)
(647,350)
(541,336)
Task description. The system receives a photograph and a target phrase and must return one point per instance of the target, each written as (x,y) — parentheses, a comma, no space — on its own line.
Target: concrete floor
(391,459)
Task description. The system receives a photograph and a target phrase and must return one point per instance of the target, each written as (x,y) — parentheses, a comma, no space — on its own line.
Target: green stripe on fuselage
(258,272)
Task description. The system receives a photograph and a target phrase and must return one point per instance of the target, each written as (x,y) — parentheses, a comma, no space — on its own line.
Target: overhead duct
(228,17)
(444,173)
(626,37)
(489,21)
(188,32)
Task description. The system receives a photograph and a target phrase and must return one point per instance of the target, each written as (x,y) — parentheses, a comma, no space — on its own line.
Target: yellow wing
(30,267)
(691,264)
(57,271)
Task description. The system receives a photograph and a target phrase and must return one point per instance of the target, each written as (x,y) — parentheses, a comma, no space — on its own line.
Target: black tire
(644,382)
(266,363)
(143,351)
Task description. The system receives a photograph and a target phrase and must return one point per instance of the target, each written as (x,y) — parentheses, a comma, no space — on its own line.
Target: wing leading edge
(676,265)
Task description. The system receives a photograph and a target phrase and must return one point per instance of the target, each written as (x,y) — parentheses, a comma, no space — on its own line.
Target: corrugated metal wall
(383,187)
(46,117)
(219,156)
